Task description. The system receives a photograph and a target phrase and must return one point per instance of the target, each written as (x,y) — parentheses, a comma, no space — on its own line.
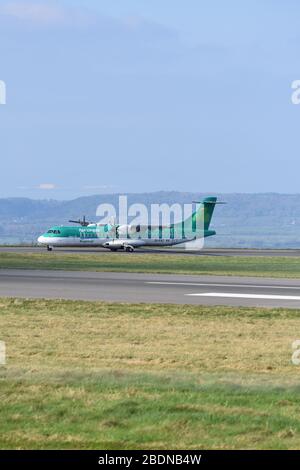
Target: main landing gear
(128,249)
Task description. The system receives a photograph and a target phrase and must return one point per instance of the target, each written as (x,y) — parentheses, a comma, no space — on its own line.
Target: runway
(166,251)
(150,288)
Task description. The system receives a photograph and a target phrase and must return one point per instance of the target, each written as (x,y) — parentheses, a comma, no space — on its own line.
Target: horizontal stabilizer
(209,202)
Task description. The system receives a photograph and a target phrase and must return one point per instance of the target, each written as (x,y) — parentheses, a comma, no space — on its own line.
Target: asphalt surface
(169,251)
(152,288)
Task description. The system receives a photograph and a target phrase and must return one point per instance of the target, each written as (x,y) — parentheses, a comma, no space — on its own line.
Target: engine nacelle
(131,230)
(123,244)
(114,244)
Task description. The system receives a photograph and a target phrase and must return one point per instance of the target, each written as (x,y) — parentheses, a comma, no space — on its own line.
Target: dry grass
(147,337)
(104,375)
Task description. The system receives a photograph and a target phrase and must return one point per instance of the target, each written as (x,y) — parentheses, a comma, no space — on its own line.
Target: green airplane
(129,237)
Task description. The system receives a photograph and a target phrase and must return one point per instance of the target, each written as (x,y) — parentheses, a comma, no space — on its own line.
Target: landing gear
(129,249)
(49,248)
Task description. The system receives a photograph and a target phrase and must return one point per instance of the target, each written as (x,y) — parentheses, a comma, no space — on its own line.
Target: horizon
(212,193)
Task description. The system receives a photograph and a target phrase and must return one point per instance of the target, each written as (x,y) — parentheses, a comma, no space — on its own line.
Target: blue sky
(137,95)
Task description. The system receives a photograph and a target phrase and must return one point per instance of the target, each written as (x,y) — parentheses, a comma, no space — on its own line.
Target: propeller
(83,222)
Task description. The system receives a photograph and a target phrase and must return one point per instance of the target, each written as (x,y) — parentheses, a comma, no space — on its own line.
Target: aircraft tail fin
(205,212)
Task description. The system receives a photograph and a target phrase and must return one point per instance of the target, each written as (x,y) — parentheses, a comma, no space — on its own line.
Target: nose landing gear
(49,248)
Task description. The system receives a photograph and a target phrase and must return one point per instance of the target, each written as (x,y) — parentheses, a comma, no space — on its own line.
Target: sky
(124,96)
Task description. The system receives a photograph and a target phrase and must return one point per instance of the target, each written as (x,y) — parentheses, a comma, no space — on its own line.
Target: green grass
(287,267)
(126,411)
(95,375)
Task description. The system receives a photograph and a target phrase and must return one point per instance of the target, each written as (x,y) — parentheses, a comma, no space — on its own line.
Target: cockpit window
(50,231)
(56,232)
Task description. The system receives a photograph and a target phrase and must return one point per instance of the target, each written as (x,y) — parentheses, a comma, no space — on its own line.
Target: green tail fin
(197,225)
(207,210)
(201,218)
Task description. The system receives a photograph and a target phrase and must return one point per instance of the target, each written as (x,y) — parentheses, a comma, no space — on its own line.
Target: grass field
(157,263)
(103,375)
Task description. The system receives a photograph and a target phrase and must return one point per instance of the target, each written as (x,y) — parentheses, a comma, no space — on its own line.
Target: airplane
(129,237)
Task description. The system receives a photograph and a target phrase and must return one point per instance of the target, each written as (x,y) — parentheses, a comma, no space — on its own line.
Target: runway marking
(221,285)
(246,296)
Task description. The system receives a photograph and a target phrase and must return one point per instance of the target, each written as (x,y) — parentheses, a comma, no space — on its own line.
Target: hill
(247,220)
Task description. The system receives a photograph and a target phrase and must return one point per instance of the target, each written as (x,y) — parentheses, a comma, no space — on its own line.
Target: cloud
(46,186)
(95,189)
(41,186)
(140,25)
(36,12)
(45,14)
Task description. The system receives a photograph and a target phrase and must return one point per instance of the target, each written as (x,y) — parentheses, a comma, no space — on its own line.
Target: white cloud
(33,11)
(45,13)
(47,186)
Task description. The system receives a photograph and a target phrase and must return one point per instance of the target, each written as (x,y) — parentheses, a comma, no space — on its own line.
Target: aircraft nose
(40,239)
